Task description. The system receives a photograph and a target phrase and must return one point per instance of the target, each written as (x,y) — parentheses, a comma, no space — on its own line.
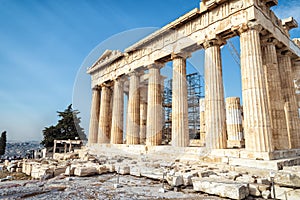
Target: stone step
(222,188)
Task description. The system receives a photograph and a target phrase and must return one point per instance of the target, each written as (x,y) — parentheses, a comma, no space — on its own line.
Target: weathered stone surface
(12,170)
(11,166)
(253,190)
(19,170)
(228,189)
(206,174)
(286,193)
(187,179)
(94,119)
(287,179)
(177,181)
(110,167)
(155,174)
(180,135)
(263,181)
(40,171)
(246,179)
(85,171)
(69,156)
(135,171)
(154,109)
(102,169)
(59,170)
(124,170)
(266,194)
(215,116)
(70,170)
(264,187)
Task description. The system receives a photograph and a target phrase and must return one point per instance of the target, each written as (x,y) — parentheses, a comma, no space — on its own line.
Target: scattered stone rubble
(222,180)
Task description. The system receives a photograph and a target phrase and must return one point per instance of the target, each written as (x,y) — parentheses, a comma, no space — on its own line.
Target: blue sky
(44,43)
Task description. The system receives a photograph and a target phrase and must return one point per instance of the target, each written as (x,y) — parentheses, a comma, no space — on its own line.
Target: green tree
(2,143)
(67,127)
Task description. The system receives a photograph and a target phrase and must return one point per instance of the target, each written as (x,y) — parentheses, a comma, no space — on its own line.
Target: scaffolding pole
(195,92)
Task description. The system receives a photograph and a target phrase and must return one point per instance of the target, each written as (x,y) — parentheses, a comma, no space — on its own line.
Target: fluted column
(289,96)
(104,119)
(234,123)
(94,120)
(143,122)
(202,121)
(275,99)
(214,97)
(154,109)
(257,126)
(133,112)
(180,129)
(143,113)
(117,112)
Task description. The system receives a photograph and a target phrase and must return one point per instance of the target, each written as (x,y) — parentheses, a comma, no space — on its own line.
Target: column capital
(134,73)
(156,65)
(249,26)
(183,55)
(120,79)
(268,40)
(106,84)
(284,52)
(96,88)
(213,42)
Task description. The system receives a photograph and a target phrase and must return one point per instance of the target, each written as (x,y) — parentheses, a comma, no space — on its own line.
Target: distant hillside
(18,149)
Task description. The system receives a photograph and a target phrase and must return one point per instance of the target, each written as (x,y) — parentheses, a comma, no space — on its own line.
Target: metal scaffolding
(195,92)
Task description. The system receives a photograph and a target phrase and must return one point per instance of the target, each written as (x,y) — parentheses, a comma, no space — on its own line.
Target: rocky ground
(96,187)
(84,176)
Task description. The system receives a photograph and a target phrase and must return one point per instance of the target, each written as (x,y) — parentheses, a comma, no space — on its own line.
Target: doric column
(117,112)
(143,122)
(234,123)
(180,129)
(275,99)
(133,112)
(214,97)
(257,126)
(289,96)
(202,121)
(94,120)
(104,119)
(296,77)
(143,112)
(154,109)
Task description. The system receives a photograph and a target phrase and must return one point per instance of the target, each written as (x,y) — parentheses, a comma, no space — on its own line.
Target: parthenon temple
(263,124)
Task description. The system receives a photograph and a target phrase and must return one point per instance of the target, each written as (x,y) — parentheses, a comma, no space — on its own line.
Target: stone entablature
(189,32)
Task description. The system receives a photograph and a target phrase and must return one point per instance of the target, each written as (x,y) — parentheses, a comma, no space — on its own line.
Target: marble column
(133,112)
(202,121)
(94,119)
(275,99)
(143,113)
(234,123)
(117,112)
(214,97)
(104,119)
(289,96)
(257,125)
(180,129)
(154,109)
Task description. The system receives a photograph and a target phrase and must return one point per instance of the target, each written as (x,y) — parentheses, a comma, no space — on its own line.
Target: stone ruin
(268,126)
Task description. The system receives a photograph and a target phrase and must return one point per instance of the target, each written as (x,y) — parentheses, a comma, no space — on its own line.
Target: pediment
(107,57)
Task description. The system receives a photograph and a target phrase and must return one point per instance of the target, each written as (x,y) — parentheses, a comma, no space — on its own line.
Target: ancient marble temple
(266,126)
